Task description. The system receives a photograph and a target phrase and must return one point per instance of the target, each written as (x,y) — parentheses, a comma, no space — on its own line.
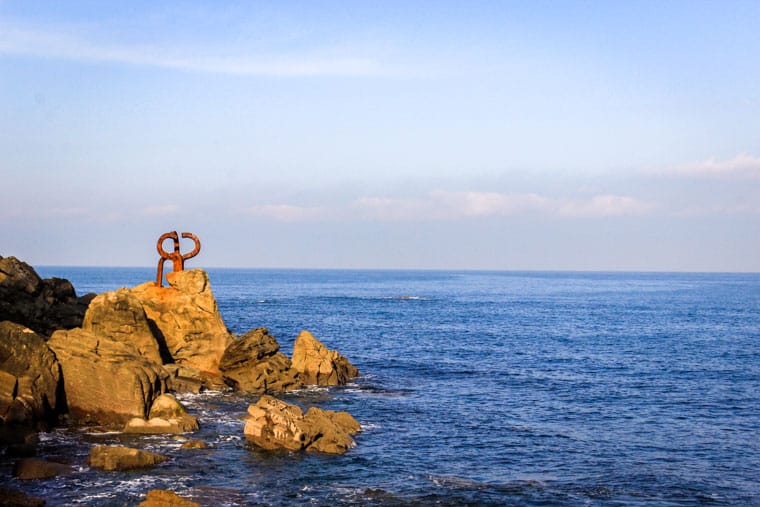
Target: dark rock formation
(14,498)
(319,365)
(273,424)
(112,458)
(253,364)
(36,468)
(106,381)
(42,305)
(29,376)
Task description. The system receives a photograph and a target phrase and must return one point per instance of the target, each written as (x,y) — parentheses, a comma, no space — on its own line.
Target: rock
(120,315)
(167,415)
(194,444)
(186,379)
(274,424)
(14,498)
(36,468)
(106,381)
(42,305)
(166,498)
(253,364)
(319,365)
(29,376)
(187,318)
(112,458)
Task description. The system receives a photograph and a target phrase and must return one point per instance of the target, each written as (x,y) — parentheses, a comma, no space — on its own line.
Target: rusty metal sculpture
(178,259)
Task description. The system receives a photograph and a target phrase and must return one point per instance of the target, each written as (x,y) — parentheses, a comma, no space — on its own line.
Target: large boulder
(166,498)
(253,364)
(106,381)
(29,376)
(120,315)
(187,318)
(167,415)
(42,305)
(319,365)
(275,424)
(110,458)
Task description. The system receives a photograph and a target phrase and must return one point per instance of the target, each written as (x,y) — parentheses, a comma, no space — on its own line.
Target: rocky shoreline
(116,359)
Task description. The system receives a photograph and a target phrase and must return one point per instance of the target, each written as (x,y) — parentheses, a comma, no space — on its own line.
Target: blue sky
(475,135)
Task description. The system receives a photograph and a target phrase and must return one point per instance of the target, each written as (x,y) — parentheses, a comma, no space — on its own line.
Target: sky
(557,135)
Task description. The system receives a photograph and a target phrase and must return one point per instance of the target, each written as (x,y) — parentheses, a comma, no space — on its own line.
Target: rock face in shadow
(119,315)
(187,318)
(254,364)
(29,376)
(275,424)
(110,458)
(36,468)
(106,381)
(41,305)
(318,365)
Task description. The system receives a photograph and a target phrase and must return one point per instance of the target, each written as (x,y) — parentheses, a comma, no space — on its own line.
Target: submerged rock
(110,458)
(41,305)
(319,365)
(167,415)
(36,468)
(29,376)
(19,499)
(185,316)
(275,424)
(253,364)
(166,498)
(106,381)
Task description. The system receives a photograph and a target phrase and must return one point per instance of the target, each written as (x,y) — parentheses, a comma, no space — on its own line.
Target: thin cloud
(444,205)
(742,167)
(164,210)
(60,45)
(287,212)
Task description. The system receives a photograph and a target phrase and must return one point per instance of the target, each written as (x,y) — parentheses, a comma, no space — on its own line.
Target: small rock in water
(112,458)
(36,468)
(166,498)
(19,499)
(318,365)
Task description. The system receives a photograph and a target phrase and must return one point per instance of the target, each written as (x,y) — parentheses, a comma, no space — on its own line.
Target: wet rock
(41,305)
(253,364)
(29,376)
(106,381)
(14,498)
(185,316)
(112,458)
(36,468)
(186,379)
(119,315)
(166,498)
(275,424)
(194,444)
(167,415)
(319,365)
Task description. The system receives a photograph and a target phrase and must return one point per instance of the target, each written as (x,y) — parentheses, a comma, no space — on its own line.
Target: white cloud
(23,41)
(167,209)
(286,212)
(442,205)
(743,166)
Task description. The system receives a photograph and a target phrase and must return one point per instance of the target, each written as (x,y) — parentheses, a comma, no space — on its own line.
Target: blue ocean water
(477,388)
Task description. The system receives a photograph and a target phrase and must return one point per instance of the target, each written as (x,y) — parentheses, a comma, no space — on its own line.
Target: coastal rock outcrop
(319,365)
(41,305)
(167,415)
(29,376)
(274,424)
(36,468)
(114,457)
(253,363)
(187,319)
(106,381)
(120,315)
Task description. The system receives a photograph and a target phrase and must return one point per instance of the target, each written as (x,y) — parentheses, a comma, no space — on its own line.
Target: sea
(476,388)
